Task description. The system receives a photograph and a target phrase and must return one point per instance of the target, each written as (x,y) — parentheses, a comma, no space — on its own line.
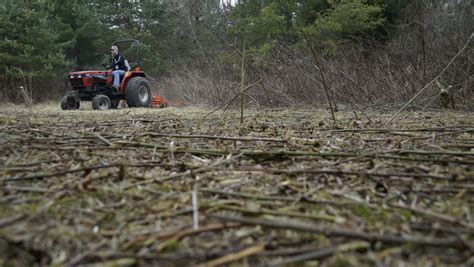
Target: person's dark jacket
(118,63)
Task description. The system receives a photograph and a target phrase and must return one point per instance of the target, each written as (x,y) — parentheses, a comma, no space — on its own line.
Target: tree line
(370,51)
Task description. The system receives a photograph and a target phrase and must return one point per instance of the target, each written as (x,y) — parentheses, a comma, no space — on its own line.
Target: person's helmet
(114,49)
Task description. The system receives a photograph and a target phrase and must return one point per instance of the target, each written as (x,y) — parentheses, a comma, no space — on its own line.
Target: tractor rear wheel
(138,92)
(101,102)
(69,103)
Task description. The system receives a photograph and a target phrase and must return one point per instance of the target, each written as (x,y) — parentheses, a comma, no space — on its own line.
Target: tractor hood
(88,73)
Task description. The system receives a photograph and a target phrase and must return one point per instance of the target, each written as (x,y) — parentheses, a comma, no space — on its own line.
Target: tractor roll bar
(132,41)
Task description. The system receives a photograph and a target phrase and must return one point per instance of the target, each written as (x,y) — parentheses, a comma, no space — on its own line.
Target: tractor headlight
(71,76)
(79,76)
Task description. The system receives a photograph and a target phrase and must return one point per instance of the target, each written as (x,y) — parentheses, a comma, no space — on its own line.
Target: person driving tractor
(105,89)
(119,66)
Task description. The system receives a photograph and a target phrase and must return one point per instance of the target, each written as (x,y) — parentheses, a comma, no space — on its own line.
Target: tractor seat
(136,68)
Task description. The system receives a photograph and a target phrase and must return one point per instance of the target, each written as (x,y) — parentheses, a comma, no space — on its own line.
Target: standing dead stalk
(321,72)
(242,86)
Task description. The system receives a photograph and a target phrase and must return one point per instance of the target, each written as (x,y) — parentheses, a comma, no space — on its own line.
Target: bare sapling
(25,90)
(321,72)
(432,81)
(242,86)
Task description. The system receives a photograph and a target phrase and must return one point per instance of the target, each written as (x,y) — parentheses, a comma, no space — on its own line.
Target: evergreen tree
(30,39)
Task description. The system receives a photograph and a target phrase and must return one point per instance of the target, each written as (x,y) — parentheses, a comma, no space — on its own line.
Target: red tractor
(96,86)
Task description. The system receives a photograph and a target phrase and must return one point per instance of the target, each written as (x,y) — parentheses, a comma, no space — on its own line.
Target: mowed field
(179,187)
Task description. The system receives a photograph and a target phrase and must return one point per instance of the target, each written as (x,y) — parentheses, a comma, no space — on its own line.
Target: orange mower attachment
(158,102)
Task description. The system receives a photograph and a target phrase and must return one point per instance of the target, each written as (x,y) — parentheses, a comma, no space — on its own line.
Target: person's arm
(120,63)
(127,66)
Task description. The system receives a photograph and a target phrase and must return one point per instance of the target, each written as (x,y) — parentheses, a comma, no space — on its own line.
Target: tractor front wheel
(138,92)
(69,103)
(101,102)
